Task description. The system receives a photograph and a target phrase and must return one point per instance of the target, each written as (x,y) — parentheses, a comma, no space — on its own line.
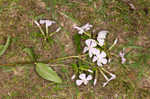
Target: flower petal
(101,41)
(95,80)
(85,82)
(86,27)
(89,77)
(82,76)
(90,71)
(123,60)
(73,77)
(94,59)
(90,53)
(104,60)
(85,49)
(95,51)
(79,82)
(91,43)
(99,63)
(102,34)
(81,32)
(42,21)
(49,23)
(103,54)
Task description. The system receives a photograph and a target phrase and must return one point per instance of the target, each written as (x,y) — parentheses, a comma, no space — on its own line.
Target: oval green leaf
(47,73)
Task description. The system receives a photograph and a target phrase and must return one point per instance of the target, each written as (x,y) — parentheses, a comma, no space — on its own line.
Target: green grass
(131,27)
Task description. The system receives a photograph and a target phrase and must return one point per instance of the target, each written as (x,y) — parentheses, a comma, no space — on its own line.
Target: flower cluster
(91,45)
(47,23)
(95,49)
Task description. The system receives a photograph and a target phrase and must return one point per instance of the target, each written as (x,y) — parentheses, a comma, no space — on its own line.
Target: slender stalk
(52,34)
(106,71)
(115,42)
(46,30)
(87,34)
(103,74)
(47,61)
(41,30)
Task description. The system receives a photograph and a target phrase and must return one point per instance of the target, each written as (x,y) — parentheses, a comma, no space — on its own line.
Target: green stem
(103,74)
(48,61)
(105,70)
(52,34)
(41,31)
(47,30)
(87,34)
(113,44)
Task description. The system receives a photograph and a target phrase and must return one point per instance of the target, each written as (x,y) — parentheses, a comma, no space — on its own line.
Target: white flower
(101,37)
(83,28)
(83,79)
(122,54)
(90,47)
(73,77)
(47,22)
(100,58)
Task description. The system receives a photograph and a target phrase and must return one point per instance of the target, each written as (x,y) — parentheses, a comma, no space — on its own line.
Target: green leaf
(4,48)
(47,73)
(30,52)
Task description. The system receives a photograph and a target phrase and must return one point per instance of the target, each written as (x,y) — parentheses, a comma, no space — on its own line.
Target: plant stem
(103,74)
(87,34)
(113,44)
(46,30)
(52,34)
(48,61)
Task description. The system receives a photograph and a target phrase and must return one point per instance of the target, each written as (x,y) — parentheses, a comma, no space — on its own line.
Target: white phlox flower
(47,22)
(101,37)
(83,79)
(112,77)
(122,54)
(90,47)
(100,58)
(83,28)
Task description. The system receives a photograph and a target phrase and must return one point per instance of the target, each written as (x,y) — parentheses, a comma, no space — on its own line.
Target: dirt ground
(127,20)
